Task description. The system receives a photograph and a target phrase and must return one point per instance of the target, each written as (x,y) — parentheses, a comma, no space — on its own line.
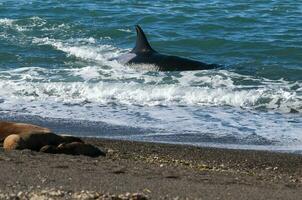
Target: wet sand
(157,171)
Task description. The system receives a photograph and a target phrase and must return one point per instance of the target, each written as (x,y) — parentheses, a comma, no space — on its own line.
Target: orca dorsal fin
(142,45)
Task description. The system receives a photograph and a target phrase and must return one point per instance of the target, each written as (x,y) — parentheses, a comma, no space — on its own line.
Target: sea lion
(74,148)
(77,148)
(9,128)
(49,149)
(35,141)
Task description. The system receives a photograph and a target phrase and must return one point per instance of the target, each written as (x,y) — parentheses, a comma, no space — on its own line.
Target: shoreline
(158,171)
(99,129)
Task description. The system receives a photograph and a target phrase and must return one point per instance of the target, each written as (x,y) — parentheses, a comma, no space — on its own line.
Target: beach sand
(155,171)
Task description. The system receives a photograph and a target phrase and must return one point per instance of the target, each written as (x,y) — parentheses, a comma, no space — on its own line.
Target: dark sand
(157,170)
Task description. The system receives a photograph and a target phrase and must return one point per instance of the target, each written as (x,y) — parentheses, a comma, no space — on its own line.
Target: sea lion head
(13,142)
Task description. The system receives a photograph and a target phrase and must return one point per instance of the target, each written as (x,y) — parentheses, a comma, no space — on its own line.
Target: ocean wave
(213,90)
(124,30)
(19,26)
(6,22)
(105,81)
(74,47)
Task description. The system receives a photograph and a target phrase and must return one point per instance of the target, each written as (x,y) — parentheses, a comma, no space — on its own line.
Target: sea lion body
(74,148)
(18,136)
(32,141)
(77,148)
(35,141)
(9,128)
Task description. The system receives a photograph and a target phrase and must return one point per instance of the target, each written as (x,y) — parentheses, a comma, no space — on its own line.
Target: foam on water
(34,22)
(185,88)
(145,90)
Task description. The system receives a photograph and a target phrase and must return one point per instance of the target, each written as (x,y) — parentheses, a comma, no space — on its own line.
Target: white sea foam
(34,22)
(192,88)
(11,23)
(112,104)
(125,30)
(100,53)
(87,73)
(122,85)
(146,94)
(6,22)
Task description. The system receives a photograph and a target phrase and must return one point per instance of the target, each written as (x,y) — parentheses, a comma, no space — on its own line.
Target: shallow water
(54,63)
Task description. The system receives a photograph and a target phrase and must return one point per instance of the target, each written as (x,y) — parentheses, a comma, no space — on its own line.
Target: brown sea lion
(35,141)
(77,148)
(74,148)
(49,149)
(69,139)
(9,128)
(13,141)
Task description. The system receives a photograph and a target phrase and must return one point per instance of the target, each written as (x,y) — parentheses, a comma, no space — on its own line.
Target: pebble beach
(139,170)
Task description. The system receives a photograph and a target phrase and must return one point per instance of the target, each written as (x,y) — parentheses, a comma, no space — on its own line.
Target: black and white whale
(143,53)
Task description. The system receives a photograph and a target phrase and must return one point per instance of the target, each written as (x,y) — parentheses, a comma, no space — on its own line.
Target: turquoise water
(55,62)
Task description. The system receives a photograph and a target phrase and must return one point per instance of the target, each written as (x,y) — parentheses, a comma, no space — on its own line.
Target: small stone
(121,170)
(20,194)
(147,190)
(138,196)
(13,197)
(57,193)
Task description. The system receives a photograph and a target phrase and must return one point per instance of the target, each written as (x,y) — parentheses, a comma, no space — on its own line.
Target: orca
(143,53)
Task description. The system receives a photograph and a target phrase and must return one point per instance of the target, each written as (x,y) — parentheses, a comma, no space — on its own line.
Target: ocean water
(55,64)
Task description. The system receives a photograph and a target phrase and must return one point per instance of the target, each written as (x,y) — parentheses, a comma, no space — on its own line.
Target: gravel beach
(139,170)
